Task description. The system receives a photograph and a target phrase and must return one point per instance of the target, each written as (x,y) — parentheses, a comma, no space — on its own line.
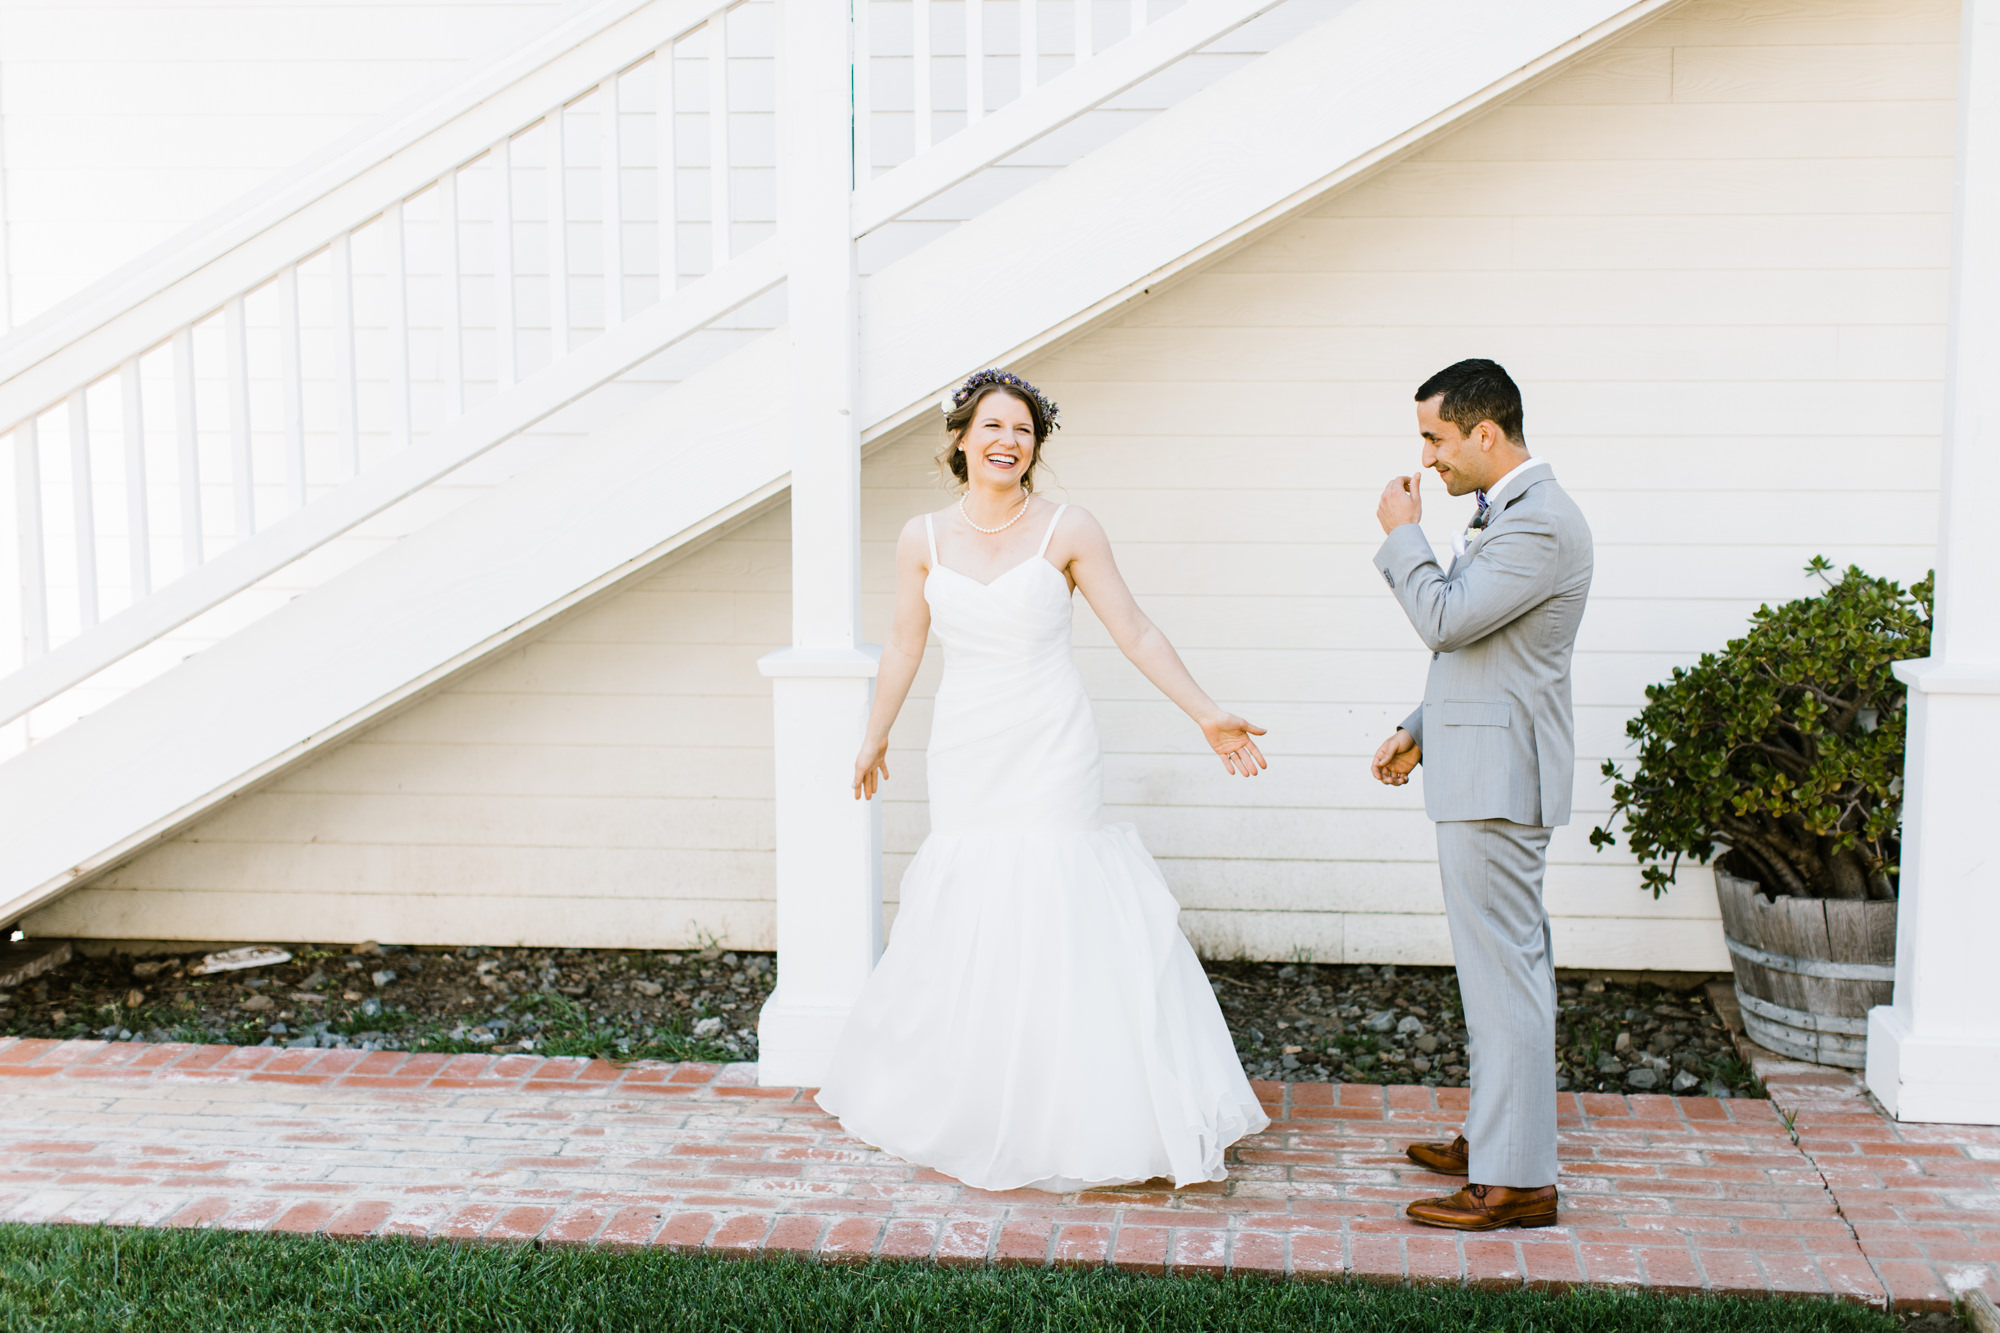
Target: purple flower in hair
(1007,380)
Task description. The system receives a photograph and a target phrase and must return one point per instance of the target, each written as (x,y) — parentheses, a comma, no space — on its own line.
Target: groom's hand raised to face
(1402,502)
(1395,758)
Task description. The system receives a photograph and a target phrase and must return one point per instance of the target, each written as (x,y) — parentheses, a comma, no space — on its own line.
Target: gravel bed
(669,1005)
(1299,1022)
(1390,1024)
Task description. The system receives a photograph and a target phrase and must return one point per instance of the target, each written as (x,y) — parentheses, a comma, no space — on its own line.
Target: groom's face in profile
(1463,462)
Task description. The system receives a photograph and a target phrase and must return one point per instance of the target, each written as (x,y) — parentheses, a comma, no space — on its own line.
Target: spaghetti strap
(1047,536)
(931,533)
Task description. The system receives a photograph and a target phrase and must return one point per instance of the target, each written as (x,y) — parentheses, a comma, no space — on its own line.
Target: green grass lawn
(58,1278)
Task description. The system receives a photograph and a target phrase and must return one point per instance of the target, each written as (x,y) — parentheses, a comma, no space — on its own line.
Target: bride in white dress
(1038,1020)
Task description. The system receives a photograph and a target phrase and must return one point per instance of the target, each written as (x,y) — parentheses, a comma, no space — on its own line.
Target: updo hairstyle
(957,421)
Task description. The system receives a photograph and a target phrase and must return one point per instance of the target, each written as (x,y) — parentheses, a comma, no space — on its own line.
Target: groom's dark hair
(1475,391)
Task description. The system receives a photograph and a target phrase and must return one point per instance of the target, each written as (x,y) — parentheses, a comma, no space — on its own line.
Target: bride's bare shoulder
(1078,524)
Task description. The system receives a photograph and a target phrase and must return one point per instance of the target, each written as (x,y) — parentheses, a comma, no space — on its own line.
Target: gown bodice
(1013,738)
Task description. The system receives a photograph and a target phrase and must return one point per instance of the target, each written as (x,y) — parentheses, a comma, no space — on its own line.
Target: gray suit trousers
(1506,978)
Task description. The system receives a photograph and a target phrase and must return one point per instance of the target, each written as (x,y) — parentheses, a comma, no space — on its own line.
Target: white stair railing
(522,251)
(303,402)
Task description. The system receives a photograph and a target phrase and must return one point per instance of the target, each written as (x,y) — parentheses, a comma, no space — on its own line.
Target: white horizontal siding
(1714,257)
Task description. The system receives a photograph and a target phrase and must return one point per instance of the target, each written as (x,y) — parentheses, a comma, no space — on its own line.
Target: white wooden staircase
(403,407)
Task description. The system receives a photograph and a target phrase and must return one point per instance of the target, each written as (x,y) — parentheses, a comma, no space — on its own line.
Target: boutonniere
(1480,518)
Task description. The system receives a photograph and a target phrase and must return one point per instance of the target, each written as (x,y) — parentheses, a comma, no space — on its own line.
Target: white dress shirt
(1493,496)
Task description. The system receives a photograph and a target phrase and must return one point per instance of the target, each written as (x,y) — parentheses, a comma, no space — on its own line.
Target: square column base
(795,1042)
(829,859)
(1950,1079)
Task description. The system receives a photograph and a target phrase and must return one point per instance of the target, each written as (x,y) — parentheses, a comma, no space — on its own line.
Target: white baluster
(138,524)
(188,441)
(1083,35)
(975,61)
(920,70)
(398,315)
(664,162)
(1031,44)
(718,139)
(864,97)
(558,237)
(346,376)
(1138,16)
(293,375)
(453,331)
(28,524)
(504,331)
(236,352)
(613,205)
(83,502)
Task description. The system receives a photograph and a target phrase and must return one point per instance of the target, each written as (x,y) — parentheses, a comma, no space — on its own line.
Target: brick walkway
(1679,1194)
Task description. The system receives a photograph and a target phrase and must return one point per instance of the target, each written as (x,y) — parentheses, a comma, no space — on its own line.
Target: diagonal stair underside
(1340,100)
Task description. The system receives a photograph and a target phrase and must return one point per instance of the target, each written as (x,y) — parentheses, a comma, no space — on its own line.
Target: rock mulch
(1391,1024)
(670,1005)
(1291,1022)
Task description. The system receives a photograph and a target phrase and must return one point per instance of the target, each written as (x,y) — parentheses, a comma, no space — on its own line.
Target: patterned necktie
(1485,514)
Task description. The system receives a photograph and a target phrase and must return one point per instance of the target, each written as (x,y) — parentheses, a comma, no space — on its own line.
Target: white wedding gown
(1038,1020)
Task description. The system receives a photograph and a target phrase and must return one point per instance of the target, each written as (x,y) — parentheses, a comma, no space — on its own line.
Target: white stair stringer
(1341,99)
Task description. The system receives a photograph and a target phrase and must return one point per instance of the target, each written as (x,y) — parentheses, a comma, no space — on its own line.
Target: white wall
(124,121)
(1714,256)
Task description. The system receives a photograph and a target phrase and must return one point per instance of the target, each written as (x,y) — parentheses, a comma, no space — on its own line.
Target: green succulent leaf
(1786,747)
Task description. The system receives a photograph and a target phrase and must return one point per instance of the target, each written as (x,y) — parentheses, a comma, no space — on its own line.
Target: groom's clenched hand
(1402,502)
(1395,758)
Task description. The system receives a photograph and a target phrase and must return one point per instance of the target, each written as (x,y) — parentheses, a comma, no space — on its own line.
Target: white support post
(187,439)
(138,527)
(242,473)
(612,204)
(920,72)
(292,372)
(396,246)
(717,36)
(1082,21)
(83,503)
(1934,1054)
(1031,45)
(33,551)
(975,61)
(829,900)
(346,376)
(558,235)
(506,371)
(665,150)
(452,331)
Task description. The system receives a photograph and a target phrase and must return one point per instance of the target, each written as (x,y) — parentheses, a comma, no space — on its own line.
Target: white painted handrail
(305,501)
(334,290)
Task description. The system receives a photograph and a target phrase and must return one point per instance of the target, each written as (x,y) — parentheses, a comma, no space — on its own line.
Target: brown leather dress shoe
(1447,1159)
(1487,1208)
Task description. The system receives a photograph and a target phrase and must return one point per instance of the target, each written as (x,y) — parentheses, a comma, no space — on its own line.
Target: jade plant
(1785,748)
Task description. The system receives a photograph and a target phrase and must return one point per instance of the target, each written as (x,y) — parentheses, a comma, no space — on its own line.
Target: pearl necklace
(990,531)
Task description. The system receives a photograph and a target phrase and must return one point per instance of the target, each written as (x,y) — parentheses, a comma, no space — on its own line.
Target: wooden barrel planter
(1808,970)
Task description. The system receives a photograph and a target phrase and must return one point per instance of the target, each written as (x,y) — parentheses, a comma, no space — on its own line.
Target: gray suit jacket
(1496,725)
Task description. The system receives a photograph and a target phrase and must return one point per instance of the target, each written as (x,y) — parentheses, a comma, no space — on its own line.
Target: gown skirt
(1038,1020)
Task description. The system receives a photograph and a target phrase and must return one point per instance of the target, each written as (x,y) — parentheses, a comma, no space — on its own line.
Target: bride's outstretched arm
(1087,550)
(901,656)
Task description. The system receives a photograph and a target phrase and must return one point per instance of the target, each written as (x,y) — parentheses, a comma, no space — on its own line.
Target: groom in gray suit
(1496,737)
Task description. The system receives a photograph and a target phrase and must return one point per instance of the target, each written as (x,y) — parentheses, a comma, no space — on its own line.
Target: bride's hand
(871,769)
(1229,736)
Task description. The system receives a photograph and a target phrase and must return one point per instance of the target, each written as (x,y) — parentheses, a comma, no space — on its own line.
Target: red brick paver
(1678,1194)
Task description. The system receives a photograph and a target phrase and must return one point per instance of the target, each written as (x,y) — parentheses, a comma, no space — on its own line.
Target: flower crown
(1006,380)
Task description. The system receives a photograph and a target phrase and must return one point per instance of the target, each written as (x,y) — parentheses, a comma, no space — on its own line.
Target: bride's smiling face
(999,444)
